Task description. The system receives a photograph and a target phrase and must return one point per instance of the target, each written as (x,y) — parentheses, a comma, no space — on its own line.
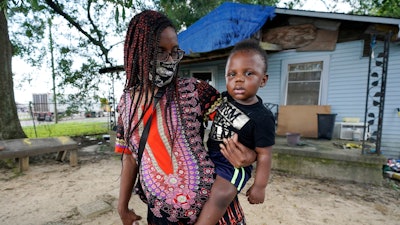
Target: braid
(140,49)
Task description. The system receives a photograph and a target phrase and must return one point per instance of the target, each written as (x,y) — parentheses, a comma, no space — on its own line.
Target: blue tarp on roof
(224,27)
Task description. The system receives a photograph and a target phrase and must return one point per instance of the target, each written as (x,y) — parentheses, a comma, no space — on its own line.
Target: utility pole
(53,72)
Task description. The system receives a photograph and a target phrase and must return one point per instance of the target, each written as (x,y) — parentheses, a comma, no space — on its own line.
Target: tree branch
(98,32)
(57,9)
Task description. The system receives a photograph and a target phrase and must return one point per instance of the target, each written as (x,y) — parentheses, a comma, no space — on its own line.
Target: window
(305,82)
(206,76)
(205,73)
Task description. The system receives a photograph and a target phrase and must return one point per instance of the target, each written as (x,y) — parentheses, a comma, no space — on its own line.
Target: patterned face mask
(165,72)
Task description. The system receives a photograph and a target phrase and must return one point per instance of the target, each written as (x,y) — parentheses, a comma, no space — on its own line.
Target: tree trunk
(10,126)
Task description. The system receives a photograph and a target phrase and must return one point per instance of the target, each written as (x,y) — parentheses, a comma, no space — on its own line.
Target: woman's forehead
(168,38)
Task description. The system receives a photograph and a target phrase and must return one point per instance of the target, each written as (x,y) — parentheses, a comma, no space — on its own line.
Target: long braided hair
(140,50)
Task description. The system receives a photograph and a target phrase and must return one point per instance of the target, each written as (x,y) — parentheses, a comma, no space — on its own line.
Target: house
(335,64)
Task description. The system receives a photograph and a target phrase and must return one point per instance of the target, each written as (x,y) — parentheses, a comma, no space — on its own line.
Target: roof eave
(339,16)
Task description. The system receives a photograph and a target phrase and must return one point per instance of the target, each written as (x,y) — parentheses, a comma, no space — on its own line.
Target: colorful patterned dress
(176,173)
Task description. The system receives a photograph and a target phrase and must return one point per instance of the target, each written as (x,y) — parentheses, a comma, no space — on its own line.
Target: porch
(326,159)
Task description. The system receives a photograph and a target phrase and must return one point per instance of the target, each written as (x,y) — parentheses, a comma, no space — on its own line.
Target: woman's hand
(237,154)
(128,176)
(129,217)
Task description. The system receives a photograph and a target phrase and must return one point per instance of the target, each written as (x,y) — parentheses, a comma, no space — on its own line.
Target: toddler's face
(245,73)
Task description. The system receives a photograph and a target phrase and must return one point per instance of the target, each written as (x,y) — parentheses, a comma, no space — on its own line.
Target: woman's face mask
(165,72)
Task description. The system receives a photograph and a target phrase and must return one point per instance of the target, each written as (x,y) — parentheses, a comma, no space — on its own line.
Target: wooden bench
(25,147)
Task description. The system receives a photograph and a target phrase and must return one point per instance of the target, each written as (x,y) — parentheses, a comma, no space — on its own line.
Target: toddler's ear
(264,80)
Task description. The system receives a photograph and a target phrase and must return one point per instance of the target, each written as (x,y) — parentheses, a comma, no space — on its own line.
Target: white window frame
(323,88)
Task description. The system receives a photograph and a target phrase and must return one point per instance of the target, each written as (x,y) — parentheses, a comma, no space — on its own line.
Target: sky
(41,81)
(318,5)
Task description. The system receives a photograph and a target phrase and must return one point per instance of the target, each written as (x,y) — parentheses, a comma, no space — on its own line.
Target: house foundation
(322,159)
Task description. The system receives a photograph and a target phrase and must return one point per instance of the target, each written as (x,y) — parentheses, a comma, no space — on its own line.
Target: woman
(174,169)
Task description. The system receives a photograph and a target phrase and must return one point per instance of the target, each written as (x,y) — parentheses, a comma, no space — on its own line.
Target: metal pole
(372,45)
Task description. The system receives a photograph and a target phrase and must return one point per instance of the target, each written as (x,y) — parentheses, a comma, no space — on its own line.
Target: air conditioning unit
(345,130)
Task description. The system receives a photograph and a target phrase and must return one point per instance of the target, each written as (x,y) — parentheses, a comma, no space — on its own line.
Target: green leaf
(35,4)
(3,5)
(116,15)
(28,33)
(129,4)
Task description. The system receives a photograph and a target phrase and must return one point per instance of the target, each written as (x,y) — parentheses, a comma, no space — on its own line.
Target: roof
(224,27)
(339,16)
(232,22)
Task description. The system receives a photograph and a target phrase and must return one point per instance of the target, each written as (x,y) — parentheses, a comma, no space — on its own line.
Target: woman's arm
(237,154)
(128,176)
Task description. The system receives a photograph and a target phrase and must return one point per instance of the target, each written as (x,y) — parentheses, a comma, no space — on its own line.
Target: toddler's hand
(255,195)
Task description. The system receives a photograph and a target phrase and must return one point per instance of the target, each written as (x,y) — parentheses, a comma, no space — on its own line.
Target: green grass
(67,129)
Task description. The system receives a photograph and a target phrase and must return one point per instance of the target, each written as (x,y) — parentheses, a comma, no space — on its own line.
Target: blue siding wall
(271,92)
(347,83)
(391,120)
(348,80)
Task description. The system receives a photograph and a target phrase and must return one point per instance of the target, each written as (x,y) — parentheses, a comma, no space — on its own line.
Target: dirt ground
(50,193)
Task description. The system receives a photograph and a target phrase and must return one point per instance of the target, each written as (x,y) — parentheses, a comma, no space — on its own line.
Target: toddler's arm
(256,193)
